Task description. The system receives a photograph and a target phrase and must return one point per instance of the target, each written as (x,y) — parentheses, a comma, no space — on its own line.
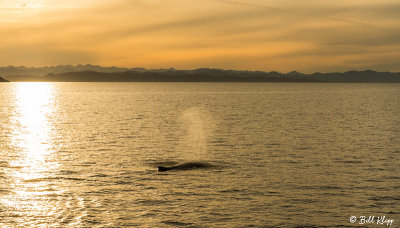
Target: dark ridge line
(91,73)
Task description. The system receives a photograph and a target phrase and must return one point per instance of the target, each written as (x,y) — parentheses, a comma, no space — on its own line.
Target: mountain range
(3,80)
(93,73)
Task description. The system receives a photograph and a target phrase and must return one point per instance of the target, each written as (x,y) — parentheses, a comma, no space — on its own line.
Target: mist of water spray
(198,126)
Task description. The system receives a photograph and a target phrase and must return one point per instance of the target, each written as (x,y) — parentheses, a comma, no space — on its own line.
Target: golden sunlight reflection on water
(32,132)
(32,143)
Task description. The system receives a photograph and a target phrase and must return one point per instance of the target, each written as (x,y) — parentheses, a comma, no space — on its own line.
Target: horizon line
(210,68)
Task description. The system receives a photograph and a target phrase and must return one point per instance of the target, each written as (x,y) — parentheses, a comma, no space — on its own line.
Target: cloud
(42,55)
(309,35)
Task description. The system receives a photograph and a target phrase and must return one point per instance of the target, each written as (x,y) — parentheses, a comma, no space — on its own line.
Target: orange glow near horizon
(231,34)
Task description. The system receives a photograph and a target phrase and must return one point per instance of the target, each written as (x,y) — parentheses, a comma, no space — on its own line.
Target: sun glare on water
(32,132)
(35,196)
(34,103)
(32,146)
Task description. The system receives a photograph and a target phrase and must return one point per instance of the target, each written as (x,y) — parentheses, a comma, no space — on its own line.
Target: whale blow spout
(184,166)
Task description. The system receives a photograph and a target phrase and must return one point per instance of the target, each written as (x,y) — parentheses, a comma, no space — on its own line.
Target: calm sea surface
(282,154)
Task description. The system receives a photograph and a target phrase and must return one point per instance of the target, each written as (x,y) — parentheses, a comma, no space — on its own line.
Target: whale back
(185,166)
(163,168)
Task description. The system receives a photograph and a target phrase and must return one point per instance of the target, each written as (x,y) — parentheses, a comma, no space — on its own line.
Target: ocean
(277,154)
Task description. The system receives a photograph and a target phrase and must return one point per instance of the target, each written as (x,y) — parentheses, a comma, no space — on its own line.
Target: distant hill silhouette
(3,80)
(91,73)
(42,71)
(171,76)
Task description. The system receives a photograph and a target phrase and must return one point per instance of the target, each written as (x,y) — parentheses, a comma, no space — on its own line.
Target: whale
(185,166)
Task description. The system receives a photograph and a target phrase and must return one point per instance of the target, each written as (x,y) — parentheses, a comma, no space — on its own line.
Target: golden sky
(281,35)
